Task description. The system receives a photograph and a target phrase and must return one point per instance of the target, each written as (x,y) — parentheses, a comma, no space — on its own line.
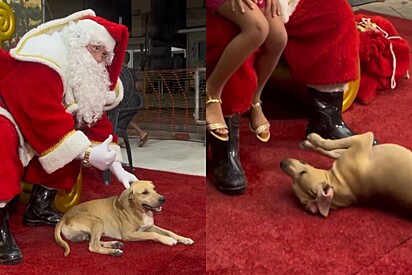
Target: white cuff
(65,151)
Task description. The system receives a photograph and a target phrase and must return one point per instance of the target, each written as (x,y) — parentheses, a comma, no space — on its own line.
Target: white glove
(102,156)
(122,175)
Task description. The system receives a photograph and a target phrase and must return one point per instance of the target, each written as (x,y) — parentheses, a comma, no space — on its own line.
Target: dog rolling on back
(361,172)
(126,217)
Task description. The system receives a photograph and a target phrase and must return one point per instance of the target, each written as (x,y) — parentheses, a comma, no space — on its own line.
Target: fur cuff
(64,152)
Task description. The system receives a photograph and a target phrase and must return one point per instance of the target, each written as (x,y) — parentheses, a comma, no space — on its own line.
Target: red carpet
(266,231)
(184,213)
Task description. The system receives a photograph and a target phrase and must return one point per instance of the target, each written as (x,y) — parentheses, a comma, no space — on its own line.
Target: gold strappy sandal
(262,131)
(211,127)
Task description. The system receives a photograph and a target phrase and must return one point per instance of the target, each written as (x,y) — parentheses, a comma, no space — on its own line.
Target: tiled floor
(182,157)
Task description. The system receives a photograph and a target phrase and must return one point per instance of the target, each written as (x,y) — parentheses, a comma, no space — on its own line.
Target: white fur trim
(69,101)
(119,96)
(45,44)
(287,8)
(98,33)
(338,87)
(48,28)
(72,108)
(65,152)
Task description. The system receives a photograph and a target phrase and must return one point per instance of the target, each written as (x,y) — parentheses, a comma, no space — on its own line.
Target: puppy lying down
(361,173)
(126,217)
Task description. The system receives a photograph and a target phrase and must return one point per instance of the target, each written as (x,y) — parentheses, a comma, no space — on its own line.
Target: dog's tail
(58,238)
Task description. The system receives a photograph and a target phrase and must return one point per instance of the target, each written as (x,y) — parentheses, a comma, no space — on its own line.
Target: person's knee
(276,40)
(257,31)
(283,39)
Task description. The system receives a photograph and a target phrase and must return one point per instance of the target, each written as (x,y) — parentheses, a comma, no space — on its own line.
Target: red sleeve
(101,130)
(33,94)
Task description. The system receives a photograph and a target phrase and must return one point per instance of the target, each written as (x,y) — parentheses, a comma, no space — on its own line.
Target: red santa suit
(37,107)
(322,49)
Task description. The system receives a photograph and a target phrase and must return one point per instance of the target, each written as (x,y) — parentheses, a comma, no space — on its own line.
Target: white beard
(89,84)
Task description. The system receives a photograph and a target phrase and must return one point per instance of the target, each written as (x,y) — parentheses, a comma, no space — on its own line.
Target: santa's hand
(122,175)
(102,156)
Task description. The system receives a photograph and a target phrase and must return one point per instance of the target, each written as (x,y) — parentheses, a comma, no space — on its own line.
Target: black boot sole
(232,191)
(12,261)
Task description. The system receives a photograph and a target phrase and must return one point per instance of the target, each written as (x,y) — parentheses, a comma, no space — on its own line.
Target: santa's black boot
(228,174)
(326,117)
(10,253)
(39,211)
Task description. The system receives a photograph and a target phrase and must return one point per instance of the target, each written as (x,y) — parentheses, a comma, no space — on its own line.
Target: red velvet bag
(384,56)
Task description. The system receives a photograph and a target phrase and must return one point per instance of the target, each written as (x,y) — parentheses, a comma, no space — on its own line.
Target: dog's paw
(185,240)
(117,253)
(306,144)
(168,241)
(117,245)
(314,139)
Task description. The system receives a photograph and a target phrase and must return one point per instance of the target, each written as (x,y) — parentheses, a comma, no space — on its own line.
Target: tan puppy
(361,172)
(127,217)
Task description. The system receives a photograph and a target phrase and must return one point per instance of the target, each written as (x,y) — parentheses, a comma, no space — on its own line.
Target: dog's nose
(162,199)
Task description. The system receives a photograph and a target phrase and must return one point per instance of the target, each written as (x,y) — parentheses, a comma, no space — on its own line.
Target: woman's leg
(265,63)
(254,30)
(142,134)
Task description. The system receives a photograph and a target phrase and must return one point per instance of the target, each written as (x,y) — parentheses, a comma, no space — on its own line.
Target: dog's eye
(301,161)
(302,173)
(145,192)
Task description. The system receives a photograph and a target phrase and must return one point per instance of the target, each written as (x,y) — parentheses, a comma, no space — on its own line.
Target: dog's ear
(324,198)
(130,195)
(312,207)
(125,196)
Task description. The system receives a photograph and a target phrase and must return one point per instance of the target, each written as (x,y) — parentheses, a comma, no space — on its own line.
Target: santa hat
(113,37)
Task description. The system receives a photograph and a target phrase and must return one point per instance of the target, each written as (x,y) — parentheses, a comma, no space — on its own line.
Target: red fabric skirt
(213,5)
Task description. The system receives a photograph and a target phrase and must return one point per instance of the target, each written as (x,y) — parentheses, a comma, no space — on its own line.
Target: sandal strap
(256,105)
(262,128)
(209,99)
(213,100)
(217,125)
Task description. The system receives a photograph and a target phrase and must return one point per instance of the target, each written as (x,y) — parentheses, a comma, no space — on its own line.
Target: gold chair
(64,200)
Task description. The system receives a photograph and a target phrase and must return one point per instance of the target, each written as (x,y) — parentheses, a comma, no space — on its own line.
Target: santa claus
(55,87)
(322,52)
